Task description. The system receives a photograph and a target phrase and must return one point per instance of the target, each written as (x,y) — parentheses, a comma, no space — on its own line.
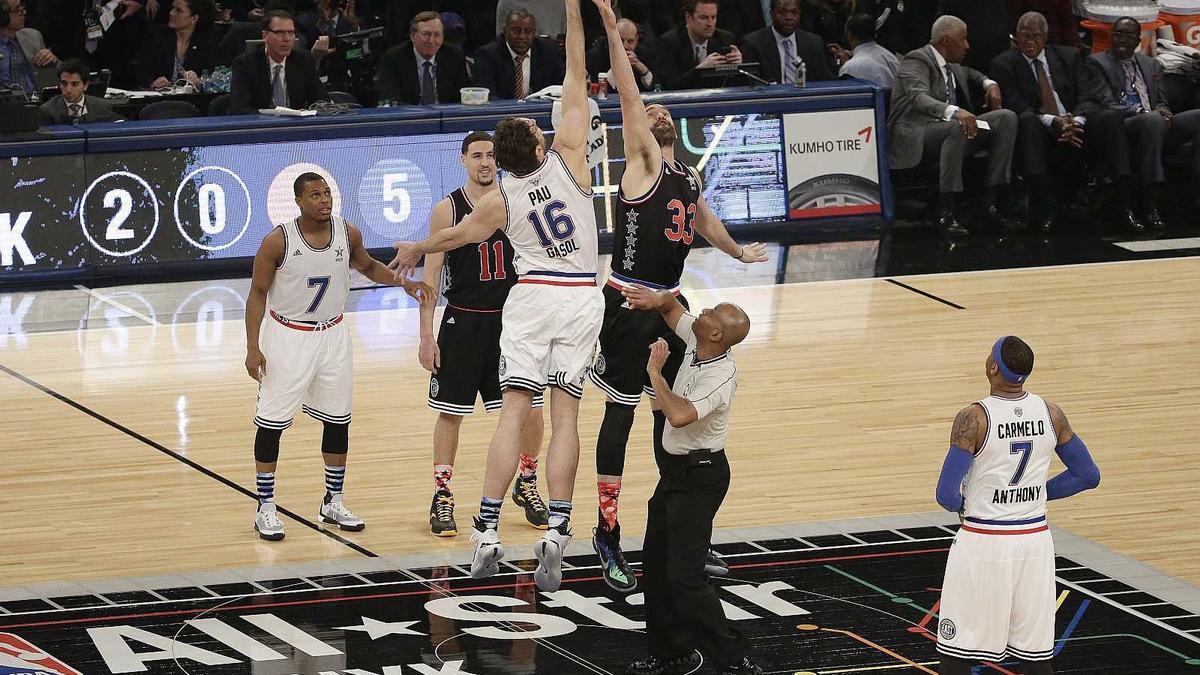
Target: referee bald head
(725,325)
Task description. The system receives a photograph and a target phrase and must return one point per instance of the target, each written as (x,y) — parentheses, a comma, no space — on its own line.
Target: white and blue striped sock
(266,487)
(489,511)
(560,512)
(335,478)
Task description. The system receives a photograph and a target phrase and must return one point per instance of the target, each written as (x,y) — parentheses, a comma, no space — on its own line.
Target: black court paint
(819,606)
(180,458)
(931,296)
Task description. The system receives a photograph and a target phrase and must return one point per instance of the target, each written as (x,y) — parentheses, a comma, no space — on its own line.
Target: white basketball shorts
(311,370)
(549,336)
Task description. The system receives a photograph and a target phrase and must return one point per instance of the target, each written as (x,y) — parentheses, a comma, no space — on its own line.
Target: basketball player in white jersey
(551,317)
(301,356)
(998,596)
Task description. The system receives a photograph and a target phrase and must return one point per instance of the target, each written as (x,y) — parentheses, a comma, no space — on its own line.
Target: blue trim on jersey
(1030,521)
(1005,371)
(639,282)
(567,275)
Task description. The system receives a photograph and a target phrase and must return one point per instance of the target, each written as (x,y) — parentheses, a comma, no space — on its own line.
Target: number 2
(115,230)
(1026,448)
(485,265)
(684,221)
(323,283)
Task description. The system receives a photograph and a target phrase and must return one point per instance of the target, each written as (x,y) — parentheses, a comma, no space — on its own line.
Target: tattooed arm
(1082,472)
(970,428)
(965,439)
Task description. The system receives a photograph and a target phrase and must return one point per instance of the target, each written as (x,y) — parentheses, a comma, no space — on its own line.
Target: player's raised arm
(490,214)
(642,155)
(266,261)
(570,137)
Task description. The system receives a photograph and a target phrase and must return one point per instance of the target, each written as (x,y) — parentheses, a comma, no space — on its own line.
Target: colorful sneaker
(549,553)
(488,551)
(525,494)
(267,522)
(715,565)
(334,512)
(441,515)
(617,573)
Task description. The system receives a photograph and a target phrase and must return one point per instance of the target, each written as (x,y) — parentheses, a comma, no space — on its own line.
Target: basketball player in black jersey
(464,360)
(659,210)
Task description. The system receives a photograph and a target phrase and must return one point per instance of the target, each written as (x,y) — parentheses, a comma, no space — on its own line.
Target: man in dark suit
(932,119)
(75,106)
(1047,87)
(698,43)
(781,46)
(276,74)
(517,64)
(423,70)
(1131,85)
(599,62)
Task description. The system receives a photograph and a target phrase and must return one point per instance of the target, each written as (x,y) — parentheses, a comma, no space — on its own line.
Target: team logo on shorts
(947,629)
(601,365)
(434,387)
(503,366)
(1018,412)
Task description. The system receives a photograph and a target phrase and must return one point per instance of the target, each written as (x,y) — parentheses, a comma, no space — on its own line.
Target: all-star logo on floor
(21,657)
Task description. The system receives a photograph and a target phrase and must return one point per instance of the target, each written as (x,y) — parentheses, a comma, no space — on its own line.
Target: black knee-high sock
(1037,667)
(953,666)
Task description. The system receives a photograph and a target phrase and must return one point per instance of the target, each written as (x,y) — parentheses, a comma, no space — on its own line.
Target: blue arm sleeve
(1081,474)
(954,470)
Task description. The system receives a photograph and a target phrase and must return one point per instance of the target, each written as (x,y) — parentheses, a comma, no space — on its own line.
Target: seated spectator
(423,70)
(827,18)
(22,50)
(1047,87)
(932,120)
(866,59)
(1131,84)
(181,50)
(990,26)
(1062,26)
(276,74)
(780,47)
(698,43)
(598,59)
(333,17)
(551,15)
(517,63)
(74,106)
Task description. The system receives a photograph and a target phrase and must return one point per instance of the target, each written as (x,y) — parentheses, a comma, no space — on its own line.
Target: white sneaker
(549,552)
(488,551)
(267,523)
(334,512)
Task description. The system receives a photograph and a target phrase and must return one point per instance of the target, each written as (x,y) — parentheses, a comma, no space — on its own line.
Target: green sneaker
(617,573)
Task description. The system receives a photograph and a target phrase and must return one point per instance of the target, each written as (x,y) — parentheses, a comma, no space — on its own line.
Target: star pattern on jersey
(632,216)
(376,629)
(339,252)
(691,181)
(631,229)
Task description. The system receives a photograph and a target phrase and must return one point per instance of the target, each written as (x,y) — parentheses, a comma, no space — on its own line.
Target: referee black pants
(683,611)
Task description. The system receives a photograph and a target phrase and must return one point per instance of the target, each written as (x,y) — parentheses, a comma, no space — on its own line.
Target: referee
(682,609)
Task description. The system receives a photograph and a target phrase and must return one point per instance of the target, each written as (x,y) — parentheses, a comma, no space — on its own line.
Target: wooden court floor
(846,394)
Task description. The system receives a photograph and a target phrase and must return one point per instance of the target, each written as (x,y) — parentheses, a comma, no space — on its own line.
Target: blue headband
(1005,371)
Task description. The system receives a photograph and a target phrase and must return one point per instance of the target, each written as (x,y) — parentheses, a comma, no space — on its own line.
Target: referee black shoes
(652,665)
(743,667)
(715,565)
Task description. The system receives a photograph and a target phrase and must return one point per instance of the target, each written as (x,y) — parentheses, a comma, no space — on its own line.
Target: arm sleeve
(954,470)
(1081,474)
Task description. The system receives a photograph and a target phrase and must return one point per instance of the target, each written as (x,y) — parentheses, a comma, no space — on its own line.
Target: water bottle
(602,90)
(801,73)
(205,81)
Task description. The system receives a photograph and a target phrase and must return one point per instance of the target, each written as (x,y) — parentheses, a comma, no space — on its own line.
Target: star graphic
(628,264)
(629,251)
(376,629)
(631,228)
(339,252)
(632,216)
(692,182)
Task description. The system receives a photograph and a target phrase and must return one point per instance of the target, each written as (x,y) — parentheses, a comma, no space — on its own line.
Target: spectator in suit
(1062,26)
(423,70)
(1047,87)
(551,15)
(22,50)
(990,25)
(74,106)
(517,63)
(276,74)
(1131,84)
(698,43)
(866,59)
(932,119)
(333,17)
(181,50)
(599,63)
(780,47)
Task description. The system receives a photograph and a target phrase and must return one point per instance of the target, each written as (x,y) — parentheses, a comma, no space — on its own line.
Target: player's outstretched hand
(658,356)
(754,253)
(418,290)
(405,262)
(640,297)
(429,354)
(256,364)
(606,13)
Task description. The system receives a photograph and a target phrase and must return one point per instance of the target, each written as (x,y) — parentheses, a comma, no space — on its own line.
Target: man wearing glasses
(22,50)
(278,74)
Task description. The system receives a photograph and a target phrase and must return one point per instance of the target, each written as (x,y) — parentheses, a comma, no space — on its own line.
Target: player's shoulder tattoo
(965,432)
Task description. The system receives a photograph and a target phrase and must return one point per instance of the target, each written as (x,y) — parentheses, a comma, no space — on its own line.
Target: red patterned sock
(609,493)
(441,476)
(528,467)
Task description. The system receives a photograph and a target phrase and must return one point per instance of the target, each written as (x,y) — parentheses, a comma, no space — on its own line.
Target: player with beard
(660,208)
(464,360)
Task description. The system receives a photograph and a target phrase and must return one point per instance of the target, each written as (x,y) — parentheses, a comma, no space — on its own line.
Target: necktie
(278,95)
(428,91)
(1135,84)
(1049,105)
(951,93)
(701,52)
(519,81)
(789,62)
(76,112)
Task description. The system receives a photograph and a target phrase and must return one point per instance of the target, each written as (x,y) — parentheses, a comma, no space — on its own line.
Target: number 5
(1026,448)
(392,191)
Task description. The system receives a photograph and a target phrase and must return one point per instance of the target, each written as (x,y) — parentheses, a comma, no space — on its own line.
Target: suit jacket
(919,99)
(31,43)
(398,79)
(1060,18)
(251,87)
(494,68)
(55,111)
(599,62)
(158,55)
(1067,74)
(309,24)
(760,46)
(1108,82)
(676,65)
